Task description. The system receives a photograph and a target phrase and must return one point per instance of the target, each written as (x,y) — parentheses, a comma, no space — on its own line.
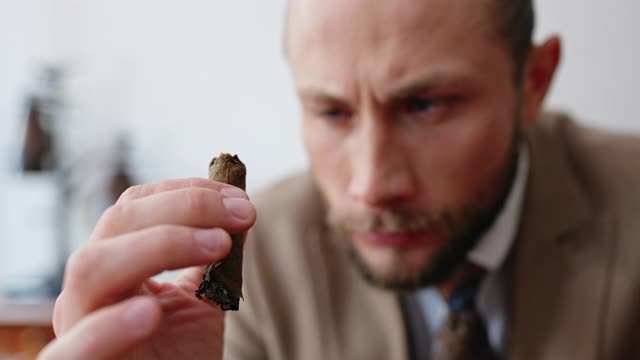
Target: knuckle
(169,239)
(132,192)
(111,220)
(115,213)
(79,267)
(167,233)
(200,202)
(196,182)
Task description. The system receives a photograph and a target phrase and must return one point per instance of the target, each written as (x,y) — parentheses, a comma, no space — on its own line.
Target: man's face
(409,122)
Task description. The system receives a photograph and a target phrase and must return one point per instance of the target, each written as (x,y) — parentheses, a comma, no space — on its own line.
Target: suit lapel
(558,284)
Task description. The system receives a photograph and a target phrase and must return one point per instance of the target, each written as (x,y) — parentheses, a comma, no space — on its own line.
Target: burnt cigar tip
(226,159)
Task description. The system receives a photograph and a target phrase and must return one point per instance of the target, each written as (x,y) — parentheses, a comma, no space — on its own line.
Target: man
(444,215)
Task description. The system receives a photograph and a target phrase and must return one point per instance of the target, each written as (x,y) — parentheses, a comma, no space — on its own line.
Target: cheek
(466,160)
(488,148)
(328,159)
(483,154)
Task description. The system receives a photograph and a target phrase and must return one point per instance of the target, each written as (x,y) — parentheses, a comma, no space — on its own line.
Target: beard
(462,228)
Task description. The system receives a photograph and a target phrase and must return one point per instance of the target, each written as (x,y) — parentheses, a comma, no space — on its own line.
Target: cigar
(222,282)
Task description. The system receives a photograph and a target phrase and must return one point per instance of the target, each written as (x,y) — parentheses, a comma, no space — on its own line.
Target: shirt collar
(492,249)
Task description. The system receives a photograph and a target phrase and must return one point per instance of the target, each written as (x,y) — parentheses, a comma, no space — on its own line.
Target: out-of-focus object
(43,107)
(37,152)
(24,329)
(121,178)
(36,200)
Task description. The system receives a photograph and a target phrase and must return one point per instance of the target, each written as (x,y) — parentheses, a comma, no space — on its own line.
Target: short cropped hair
(515,20)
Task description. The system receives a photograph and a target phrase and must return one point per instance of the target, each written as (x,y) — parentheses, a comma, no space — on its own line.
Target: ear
(541,67)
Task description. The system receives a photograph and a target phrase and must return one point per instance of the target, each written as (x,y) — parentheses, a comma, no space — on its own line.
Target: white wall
(192,78)
(599,75)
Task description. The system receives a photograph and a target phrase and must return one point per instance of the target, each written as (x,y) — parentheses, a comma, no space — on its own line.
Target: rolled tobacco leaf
(222,282)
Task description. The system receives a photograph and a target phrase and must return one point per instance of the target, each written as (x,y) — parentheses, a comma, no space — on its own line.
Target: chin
(408,261)
(393,267)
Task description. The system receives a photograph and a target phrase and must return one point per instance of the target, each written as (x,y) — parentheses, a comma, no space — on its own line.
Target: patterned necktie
(463,335)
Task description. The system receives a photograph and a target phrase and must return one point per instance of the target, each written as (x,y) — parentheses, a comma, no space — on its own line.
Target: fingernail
(239,208)
(232,192)
(139,316)
(210,240)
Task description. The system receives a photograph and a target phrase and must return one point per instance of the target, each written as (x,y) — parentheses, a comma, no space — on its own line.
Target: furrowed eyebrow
(425,83)
(321,96)
(399,92)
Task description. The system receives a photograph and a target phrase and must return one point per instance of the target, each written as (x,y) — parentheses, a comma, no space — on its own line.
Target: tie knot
(463,335)
(461,290)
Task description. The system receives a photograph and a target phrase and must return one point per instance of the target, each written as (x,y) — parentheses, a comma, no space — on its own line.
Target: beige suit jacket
(575,280)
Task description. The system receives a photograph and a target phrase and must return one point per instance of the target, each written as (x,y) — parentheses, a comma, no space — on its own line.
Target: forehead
(386,16)
(337,40)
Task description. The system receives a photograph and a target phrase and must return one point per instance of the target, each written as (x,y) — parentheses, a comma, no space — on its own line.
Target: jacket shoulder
(606,164)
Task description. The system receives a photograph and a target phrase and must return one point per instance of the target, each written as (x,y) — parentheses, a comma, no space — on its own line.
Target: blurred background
(98,95)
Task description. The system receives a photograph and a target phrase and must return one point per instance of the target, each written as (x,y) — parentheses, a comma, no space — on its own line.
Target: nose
(381,172)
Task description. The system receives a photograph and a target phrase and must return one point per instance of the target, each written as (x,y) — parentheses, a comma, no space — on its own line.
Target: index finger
(144,190)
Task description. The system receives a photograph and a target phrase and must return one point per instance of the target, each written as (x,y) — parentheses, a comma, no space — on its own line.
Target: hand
(111,309)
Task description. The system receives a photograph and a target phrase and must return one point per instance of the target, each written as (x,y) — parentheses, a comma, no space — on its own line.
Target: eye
(428,109)
(421,105)
(333,113)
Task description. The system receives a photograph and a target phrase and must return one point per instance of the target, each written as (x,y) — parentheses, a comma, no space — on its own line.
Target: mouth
(396,239)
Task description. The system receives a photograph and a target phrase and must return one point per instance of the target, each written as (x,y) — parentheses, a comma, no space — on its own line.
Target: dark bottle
(37,149)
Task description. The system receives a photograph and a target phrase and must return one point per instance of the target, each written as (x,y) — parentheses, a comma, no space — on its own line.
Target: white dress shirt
(490,253)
